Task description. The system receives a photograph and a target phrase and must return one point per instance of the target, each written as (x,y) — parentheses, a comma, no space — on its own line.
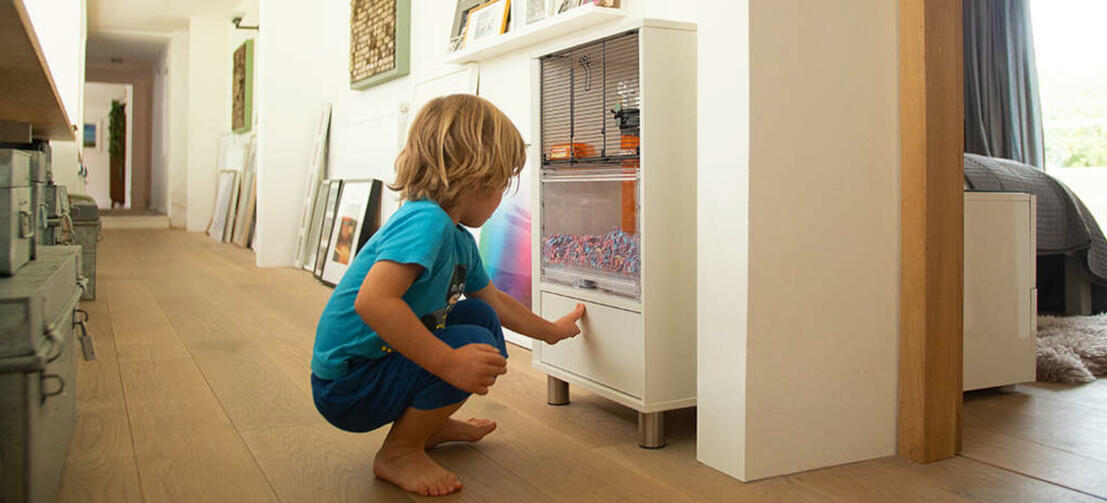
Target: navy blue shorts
(377,392)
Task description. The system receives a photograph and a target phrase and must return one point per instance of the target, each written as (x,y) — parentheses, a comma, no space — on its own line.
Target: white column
(209,91)
(723,242)
(799,234)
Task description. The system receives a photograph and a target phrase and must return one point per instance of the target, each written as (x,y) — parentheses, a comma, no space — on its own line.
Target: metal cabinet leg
(557,391)
(651,430)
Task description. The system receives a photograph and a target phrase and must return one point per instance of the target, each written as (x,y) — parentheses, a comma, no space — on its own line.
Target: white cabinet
(1000,316)
(615,217)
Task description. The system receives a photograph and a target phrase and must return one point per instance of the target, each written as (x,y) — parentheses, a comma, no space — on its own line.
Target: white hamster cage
(616,218)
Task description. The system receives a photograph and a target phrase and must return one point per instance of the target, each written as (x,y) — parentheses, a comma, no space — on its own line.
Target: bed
(1072,251)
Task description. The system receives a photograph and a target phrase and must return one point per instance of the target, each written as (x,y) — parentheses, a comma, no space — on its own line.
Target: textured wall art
(242,88)
(380,42)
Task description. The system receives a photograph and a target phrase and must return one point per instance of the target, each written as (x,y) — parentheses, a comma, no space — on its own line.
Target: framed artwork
(357,217)
(487,21)
(89,136)
(331,188)
(565,5)
(528,12)
(380,41)
(461,15)
(316,173)
(315,226)
(225,196)
(247,196)
(242,88)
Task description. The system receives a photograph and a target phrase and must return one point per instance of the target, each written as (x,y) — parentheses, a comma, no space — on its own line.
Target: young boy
(394,344)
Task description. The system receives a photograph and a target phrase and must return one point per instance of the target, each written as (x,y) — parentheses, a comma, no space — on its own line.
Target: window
(1069,44)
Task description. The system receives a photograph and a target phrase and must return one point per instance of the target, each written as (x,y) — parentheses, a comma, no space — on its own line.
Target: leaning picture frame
(315,226)
(461,16)
(562,6)
(317,171)
(225,199)
(356,219)
(326,224)
(487,21)
(247,195)
(528,12)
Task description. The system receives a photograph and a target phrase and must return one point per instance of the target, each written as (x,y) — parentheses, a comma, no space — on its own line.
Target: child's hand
(474,367)
(566,326)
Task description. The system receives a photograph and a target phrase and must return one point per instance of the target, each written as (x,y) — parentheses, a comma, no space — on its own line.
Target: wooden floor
(201,393)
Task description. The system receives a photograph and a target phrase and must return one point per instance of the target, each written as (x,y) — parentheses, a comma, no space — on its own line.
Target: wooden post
(931,282)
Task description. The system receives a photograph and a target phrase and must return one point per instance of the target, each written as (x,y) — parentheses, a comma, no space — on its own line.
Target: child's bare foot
(462,431)
(414,472)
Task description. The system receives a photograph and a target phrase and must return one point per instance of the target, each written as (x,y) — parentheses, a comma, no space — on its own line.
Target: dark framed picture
(356,219)
(331,188)
(380,41)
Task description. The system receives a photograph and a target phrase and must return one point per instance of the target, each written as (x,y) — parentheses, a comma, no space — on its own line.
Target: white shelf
(551,27)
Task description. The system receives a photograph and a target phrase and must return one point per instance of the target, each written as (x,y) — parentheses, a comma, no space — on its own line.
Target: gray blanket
(1064,224)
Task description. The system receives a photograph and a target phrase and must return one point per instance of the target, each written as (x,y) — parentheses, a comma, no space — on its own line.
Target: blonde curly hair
(458,144)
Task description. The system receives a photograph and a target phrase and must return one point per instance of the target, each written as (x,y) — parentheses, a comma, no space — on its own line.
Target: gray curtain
(1003,115)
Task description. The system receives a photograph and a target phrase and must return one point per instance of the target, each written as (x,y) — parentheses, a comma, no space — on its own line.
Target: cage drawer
(609,350)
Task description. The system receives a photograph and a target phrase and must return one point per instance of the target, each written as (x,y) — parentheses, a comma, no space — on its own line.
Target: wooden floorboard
(1047,431)
(201,393)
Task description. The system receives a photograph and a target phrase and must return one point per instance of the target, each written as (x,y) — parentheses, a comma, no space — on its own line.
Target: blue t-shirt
(420,233)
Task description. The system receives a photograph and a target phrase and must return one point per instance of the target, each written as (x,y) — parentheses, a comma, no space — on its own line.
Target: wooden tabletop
(27,90)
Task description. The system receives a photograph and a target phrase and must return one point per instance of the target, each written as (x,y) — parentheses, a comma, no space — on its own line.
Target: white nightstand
(1001,301)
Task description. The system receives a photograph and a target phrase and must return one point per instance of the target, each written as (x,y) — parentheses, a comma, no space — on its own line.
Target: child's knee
(475,312)
(460,335)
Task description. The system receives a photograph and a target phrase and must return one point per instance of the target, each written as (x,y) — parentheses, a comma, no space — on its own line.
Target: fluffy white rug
(1072,349)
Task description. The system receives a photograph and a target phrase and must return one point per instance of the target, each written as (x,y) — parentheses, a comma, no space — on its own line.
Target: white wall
(98,98)
(177,139)
(209,91)
(60,26)
(723,234)
(303,58)
(821,331)
(294,60)
(159,136)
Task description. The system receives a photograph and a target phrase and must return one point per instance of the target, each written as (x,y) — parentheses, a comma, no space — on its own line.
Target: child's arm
(380,303)
(518,318)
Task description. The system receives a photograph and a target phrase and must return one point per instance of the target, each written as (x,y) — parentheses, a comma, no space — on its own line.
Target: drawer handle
(26,225)
(54,337)
(51,377)
(88,347)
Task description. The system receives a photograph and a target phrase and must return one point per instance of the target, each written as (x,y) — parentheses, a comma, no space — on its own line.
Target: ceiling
(137,31)
(130,47)
(157,15)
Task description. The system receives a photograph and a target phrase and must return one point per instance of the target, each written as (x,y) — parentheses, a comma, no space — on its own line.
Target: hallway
(201,393)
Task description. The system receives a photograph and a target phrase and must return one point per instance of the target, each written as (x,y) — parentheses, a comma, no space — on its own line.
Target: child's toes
(480,427)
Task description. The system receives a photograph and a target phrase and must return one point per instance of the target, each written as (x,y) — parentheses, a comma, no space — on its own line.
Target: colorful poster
(505,242)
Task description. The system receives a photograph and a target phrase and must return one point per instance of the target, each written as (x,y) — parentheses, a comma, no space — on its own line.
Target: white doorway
(96,142)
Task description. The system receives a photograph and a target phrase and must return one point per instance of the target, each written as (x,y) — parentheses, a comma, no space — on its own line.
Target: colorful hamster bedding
(615,252)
